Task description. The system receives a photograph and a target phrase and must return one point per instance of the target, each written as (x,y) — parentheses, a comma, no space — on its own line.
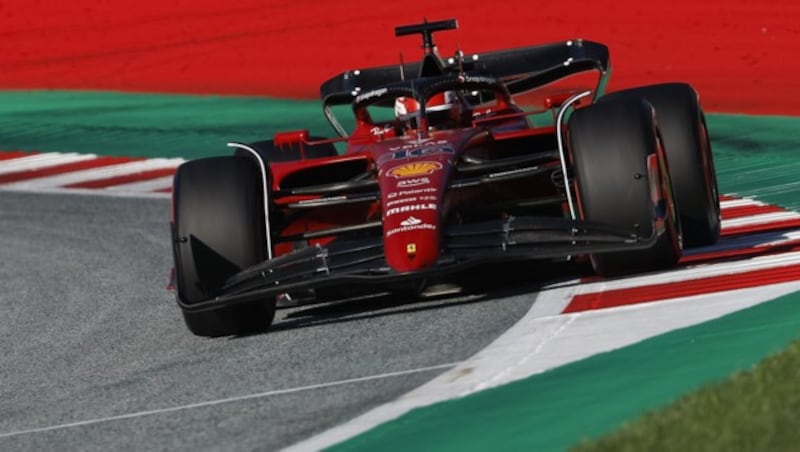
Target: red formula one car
(449,164)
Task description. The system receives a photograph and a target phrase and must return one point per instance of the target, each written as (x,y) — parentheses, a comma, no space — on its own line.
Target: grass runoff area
(755,410)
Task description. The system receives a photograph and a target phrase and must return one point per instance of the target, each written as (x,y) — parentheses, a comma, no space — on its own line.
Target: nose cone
(411,195)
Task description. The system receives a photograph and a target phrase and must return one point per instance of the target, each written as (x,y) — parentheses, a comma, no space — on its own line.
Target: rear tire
(610,144)
(685,136)
(218,230)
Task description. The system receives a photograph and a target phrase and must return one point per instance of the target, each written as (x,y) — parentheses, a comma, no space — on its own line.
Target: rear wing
(520,69)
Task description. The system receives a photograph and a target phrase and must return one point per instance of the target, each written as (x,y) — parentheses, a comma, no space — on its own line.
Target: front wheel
(218,230)
(622,179)
(685,134)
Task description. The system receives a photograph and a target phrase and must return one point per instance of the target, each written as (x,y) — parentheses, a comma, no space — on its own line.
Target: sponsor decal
(418,145)
(410,208)
(477,79)
(422,141)
(417,191)
(371,94)
(402,201)
(377,131)
(413,192)
(416,227)
(410,221)
(414,169)
(414,150)
(413,182)
(410,199)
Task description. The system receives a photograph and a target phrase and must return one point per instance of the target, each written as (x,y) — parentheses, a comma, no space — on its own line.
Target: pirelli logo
(415,169)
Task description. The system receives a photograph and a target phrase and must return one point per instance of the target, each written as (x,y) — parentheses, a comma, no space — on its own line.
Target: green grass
(754,410)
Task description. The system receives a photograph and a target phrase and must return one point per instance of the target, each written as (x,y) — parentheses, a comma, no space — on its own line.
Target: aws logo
(413,182)
(414,169)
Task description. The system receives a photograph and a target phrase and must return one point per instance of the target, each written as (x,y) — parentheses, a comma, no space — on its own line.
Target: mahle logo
(410,208)
(414,169)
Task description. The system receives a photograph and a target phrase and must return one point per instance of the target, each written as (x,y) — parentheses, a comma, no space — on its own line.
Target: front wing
(362,262)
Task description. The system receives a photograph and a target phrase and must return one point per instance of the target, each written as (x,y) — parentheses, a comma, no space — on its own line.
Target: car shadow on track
(484,285)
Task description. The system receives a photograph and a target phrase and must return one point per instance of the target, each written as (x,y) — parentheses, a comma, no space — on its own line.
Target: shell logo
(414,169)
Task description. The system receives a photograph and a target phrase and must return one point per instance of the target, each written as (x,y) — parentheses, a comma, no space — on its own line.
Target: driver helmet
(405,107)
(439,109)
(443,101)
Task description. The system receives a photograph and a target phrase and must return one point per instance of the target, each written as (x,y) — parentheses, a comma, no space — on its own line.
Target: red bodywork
(413,173)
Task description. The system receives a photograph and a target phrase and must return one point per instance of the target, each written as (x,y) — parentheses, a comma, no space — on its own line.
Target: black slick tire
(610,144)
(218,230)
(684,133)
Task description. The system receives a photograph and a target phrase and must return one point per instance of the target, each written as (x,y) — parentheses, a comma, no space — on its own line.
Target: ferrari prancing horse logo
(414,169)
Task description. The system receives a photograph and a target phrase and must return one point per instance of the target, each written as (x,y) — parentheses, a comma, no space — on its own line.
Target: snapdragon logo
(371,94)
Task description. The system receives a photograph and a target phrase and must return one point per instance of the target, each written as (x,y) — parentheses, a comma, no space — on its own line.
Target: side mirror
(292,138)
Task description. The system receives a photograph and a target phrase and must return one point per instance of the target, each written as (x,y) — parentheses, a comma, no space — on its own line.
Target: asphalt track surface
(96,356)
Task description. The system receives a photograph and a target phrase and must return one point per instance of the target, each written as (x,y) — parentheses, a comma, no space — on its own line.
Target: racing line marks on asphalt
(242,398)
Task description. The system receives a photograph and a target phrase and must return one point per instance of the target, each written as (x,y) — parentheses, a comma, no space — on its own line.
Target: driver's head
(443,110)
(443,101)
(405,107)
(406,110)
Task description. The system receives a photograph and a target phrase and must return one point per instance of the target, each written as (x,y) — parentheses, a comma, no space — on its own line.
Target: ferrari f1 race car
(447,164)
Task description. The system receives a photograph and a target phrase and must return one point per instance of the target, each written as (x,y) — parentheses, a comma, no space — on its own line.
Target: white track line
(39,161)
(209,403)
